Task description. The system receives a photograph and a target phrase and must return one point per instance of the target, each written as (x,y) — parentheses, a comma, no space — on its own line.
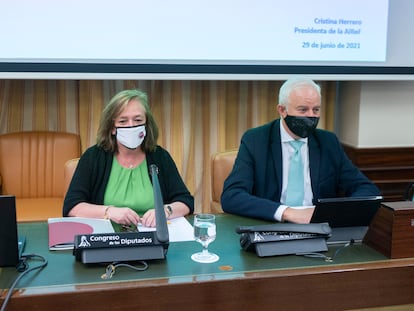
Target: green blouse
(129,187)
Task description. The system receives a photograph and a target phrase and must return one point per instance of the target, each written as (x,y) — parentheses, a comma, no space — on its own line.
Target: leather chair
(221,166)
(70,167)
(32,169)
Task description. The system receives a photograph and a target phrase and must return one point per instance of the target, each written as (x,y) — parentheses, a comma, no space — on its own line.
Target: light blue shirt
(287,152)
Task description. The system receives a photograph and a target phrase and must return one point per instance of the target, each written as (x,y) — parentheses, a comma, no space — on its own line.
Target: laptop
(349,217)
(11,245)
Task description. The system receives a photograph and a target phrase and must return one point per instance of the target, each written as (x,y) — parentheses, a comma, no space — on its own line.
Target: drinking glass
(205,233)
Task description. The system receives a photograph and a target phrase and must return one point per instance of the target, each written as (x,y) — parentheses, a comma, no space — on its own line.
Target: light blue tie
(295,186)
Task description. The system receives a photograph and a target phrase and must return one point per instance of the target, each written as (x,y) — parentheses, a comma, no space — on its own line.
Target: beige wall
(376,113)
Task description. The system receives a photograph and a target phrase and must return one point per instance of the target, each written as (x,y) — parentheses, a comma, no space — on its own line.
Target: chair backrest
(32,162)
(221,166)
(70,167)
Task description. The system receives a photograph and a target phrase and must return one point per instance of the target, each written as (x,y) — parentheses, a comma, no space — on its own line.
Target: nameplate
(118,247)
(113,240)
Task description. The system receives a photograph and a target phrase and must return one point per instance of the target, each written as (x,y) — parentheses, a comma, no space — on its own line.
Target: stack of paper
(62,230)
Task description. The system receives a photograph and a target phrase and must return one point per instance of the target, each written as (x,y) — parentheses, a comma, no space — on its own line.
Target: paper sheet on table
(179,230)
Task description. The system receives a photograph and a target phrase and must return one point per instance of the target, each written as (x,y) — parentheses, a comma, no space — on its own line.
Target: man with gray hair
(284,166)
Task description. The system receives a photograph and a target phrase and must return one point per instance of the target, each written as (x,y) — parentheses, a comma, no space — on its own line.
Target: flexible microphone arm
(160,219)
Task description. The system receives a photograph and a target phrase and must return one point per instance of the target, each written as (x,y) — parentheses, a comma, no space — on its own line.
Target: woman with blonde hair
(112,178)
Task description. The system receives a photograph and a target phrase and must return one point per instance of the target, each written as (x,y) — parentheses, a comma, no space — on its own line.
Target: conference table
(358,277)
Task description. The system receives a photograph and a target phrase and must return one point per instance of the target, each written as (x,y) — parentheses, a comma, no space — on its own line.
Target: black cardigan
(92,174)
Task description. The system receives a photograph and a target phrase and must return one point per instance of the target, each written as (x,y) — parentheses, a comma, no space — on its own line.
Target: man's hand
(298,215)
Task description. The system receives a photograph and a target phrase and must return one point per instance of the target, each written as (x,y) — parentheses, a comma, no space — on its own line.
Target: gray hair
(294,84)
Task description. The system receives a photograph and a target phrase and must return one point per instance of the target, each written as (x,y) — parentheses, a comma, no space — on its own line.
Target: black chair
(409,194)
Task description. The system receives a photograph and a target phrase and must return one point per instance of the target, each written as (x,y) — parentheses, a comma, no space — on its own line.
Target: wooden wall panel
(391,169)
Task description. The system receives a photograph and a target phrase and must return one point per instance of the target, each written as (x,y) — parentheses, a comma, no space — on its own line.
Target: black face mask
(301,126)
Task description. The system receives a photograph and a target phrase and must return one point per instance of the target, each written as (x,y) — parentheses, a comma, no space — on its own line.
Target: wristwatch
(169,211)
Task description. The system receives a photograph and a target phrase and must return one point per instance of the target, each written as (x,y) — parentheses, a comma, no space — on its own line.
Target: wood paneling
(391,169)
(391,232)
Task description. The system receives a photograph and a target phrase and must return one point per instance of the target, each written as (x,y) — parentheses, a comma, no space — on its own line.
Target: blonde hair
(116,105)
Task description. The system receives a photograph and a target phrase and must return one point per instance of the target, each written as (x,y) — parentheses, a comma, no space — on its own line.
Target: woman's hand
(177,209)
(123,216)
(148,219)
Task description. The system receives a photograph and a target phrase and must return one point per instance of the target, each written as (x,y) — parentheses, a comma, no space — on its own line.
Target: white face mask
(131,137)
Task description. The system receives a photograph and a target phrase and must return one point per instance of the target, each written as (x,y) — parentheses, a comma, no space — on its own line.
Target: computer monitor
(9,243)
(346,211)
(349,217)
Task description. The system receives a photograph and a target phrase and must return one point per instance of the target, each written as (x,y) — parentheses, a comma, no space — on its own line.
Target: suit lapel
(314,164)
(276,153)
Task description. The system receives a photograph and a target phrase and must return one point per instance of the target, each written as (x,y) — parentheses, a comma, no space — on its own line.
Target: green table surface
(63,271)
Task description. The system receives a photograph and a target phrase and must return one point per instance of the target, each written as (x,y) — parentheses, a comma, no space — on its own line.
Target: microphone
(318,228)
(127,246)
(284,238)
(160,219)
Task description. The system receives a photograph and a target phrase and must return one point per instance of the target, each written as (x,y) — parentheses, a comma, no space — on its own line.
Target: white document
(179,229)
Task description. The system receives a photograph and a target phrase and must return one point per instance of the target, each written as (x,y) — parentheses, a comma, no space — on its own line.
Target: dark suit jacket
(254,186)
